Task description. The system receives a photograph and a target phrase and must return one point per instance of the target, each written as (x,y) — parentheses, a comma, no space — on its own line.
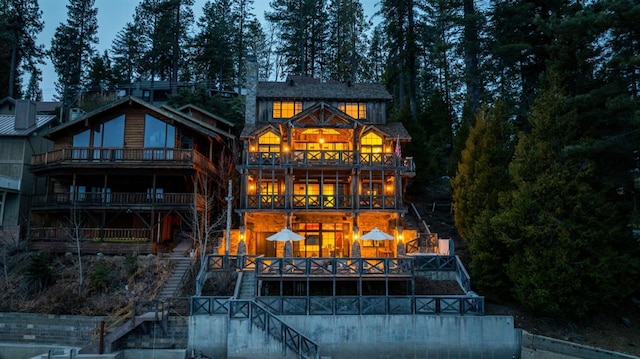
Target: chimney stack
(252,87)
(25,114)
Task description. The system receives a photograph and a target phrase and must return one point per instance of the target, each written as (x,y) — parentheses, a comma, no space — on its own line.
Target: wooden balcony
(331,158)
(341,202)
(116,241)
(114,235)
(116,200)
(124,157)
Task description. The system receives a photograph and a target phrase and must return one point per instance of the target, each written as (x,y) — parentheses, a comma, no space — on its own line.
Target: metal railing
(260,317)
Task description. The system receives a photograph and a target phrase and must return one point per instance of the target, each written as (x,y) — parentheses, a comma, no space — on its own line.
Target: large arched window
(269,142)
(371,143)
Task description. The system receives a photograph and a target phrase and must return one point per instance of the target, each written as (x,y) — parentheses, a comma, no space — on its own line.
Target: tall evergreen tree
(213,45)
(302,34)
(572,248)
(399,19)
(482,176)
(127,51)
(72,48)
(346,45)
(20,24)
(163,27)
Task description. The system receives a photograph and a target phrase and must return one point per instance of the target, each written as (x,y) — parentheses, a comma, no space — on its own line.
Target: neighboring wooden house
(127,177)
(20,137)
(321,159)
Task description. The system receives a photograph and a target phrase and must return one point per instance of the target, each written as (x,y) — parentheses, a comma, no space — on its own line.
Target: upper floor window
(110,133)
(269,142)
(158,133)
(371,143)
(357,110)
(286,109)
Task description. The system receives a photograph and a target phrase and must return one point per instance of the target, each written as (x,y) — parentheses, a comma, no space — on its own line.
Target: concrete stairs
(180,257)
(248,285)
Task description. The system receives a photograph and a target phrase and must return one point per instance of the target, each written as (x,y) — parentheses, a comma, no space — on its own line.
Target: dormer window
(286,109)
(357,110)
(371,143)
(269,142)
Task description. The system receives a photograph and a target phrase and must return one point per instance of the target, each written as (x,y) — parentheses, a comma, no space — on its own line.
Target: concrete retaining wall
(368,336)
(69,330)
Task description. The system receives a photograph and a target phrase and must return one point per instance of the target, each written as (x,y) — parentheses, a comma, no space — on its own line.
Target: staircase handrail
(420,220)
(112,321)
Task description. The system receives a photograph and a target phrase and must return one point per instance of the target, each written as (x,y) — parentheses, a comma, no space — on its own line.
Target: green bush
(100,277)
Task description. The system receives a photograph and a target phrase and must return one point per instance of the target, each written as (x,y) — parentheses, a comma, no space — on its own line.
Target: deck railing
(329,157)
(351,305)
(91,155)
(260,317)
(288,266)
(120,235)
(344,201)
(115,198)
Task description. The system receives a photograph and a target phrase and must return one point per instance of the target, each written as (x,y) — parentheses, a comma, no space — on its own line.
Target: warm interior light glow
(321,140)
(253,148)
(286,148)
(252,186)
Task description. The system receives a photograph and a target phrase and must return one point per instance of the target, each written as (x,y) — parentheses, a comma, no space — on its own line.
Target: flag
(398,149)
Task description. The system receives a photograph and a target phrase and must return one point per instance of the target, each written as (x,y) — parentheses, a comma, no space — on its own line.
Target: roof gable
(126,104)
(322,115)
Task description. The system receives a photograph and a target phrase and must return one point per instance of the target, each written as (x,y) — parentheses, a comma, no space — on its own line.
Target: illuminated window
(357,110)
(269,142)
(286,109)
(371,143)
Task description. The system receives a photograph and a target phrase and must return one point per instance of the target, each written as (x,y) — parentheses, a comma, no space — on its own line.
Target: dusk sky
(112,16)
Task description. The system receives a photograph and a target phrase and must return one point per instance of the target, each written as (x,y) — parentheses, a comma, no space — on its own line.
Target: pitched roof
(394,129)
(169,113)
(7,125)
(316,90)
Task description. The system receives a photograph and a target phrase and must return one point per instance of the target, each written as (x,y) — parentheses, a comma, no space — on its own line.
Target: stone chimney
(250,111)
(25,114)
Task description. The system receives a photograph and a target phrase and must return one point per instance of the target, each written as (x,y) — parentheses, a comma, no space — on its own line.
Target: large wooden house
(127,177)
(321,159)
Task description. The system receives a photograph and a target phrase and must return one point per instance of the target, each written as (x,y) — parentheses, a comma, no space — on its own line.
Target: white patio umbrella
(286,235)
(377,235)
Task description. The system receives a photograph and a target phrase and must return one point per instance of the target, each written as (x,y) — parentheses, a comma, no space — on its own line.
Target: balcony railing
(117,235)
(343,158)
(115,199)
(276,201)
(90,155)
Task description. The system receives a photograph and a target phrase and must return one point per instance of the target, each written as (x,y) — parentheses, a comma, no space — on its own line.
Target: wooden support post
(101,343)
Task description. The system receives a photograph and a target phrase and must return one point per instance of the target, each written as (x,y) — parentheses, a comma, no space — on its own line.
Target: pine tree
(213,45)
(346,45)
(127,51)
(302,34)
(481,177)
(72,48)
(572,248)
(20,24)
